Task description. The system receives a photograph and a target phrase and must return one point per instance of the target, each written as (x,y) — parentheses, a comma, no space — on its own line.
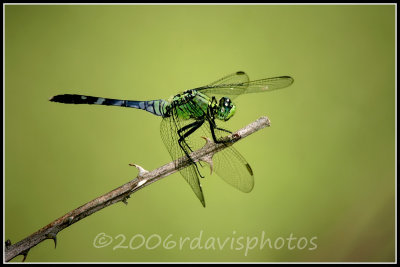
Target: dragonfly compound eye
(226,109)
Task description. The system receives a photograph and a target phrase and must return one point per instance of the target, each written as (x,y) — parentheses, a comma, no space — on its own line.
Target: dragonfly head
(225,109)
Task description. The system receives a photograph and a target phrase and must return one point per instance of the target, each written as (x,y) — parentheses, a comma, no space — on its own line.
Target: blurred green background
(324,170)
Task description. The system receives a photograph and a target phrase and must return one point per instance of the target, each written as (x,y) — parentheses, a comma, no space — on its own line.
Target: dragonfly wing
(238,77)
(268,84)
(231,85)
(233,168)
(228,163)
(238,83)
(169,128)
(191,176)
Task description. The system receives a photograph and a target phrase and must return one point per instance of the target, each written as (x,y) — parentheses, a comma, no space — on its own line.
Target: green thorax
(193,104)
(190,105)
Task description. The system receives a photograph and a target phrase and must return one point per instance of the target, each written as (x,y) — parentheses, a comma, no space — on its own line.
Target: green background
(325,168)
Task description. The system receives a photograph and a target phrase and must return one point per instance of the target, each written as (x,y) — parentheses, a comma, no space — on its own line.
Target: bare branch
(123,192)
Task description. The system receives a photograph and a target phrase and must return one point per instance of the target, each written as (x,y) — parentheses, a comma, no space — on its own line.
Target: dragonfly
(194,113)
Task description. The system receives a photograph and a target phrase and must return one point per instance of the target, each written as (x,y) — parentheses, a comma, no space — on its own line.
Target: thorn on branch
(54,237)
(25,253)
(208,159)
(140,177)
(142,171)
(208,141)
(70,219)
(124,200)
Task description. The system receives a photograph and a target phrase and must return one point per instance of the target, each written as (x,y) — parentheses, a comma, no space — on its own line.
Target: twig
(123,192)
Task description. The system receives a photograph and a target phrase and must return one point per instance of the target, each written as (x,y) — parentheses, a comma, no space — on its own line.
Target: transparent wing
(239,77)
(268,84)
(238,83)
(168,128)
(233,168)
(225,86)
(228,163)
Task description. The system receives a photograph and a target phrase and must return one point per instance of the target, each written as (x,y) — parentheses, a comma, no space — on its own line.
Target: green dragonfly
(192,114)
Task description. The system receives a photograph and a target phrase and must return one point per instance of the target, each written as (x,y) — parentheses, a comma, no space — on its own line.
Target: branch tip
(266,119)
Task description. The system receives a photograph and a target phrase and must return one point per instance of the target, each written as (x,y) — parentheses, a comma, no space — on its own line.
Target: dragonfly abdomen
(156,107)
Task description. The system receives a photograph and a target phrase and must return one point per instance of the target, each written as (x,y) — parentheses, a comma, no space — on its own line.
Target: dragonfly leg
(192,128)
(191,125)
(213,101)
(211,120)
(213,125)
(212,128)
(221,129)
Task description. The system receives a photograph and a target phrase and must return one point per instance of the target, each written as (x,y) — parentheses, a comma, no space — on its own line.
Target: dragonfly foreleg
(224,130)
(213,125)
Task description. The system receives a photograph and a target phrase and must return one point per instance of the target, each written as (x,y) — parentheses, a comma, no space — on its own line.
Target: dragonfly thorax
(225,109)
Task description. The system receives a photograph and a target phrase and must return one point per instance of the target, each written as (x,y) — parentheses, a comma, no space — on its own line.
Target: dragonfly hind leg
(192,128)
